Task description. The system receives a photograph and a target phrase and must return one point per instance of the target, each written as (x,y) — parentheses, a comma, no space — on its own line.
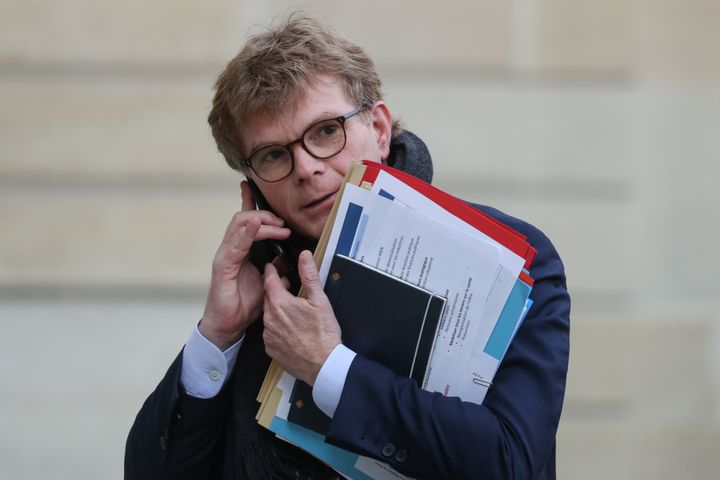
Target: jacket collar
(410,154)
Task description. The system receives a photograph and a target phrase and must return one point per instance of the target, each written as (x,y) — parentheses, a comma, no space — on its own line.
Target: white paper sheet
(461,267)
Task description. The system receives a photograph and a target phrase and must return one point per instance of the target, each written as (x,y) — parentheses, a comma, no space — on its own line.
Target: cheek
(284,208)
(338,166)
(278,200)
(369,149)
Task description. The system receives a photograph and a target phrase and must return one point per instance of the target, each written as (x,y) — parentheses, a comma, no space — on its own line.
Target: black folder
(383,318)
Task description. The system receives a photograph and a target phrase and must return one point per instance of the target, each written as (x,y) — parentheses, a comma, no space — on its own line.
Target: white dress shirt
(205,370)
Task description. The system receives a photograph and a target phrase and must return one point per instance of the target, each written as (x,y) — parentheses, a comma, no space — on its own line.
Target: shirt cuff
(205,369)
(331,379)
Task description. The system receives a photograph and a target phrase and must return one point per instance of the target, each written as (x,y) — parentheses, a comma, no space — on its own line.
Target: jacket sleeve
(176,436)
(510,436)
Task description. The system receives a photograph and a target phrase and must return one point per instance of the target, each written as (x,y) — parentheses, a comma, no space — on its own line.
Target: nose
(305,164)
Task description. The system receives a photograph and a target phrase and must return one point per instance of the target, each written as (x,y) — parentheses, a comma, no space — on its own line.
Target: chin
(314,232)
(309,229)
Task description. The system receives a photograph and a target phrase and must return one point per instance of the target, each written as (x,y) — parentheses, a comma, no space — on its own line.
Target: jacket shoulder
(547,255)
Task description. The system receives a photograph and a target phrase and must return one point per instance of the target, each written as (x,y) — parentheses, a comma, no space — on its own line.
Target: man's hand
(236,287)
(299,332)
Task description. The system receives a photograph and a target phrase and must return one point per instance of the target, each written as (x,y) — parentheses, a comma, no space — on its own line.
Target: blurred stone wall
(596,121)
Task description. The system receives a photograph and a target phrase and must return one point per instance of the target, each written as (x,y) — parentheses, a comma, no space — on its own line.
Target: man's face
(305,197)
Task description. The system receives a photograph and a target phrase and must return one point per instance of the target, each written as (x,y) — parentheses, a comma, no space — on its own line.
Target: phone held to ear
(281,248)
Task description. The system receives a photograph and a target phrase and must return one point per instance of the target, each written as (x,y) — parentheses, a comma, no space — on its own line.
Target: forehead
(325,97)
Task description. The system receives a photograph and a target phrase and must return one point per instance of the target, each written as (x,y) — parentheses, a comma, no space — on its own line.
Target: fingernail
(307,256)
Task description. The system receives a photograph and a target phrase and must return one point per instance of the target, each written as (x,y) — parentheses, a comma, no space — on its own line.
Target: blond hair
(275,66)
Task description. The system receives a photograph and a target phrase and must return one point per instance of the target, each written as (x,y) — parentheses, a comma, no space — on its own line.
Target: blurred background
(596,121)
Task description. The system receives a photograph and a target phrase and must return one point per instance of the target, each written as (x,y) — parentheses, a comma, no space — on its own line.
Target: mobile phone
(281,248)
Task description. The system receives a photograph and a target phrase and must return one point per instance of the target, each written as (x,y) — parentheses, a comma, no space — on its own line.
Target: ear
(382,125)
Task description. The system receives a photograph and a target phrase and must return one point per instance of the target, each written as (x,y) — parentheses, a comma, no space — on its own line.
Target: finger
(232,254)
(266,307)
(241,219)
(248,200)
(237,242)
(272,232)
(309,275)
(273,282)
(245,237)
(235,249)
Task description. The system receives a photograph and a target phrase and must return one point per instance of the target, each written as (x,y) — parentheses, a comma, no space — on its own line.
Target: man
(291,111)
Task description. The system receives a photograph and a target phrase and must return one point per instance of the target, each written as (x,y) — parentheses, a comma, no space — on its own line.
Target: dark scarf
(258,453)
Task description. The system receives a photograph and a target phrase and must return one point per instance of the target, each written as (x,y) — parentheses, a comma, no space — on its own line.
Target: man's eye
(271,156)
(328,130)
(325,131)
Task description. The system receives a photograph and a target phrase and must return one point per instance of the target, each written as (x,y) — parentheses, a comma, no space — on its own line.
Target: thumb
(309,275)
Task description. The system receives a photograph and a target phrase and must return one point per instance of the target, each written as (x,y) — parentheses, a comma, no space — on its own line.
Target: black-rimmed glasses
(322,140)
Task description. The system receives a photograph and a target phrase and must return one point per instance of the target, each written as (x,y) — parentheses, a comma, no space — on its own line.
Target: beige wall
(597,121)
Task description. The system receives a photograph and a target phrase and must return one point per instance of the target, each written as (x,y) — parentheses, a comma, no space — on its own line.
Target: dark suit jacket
(382,415)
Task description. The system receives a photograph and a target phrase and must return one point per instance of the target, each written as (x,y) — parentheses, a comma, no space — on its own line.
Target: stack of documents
(459,290)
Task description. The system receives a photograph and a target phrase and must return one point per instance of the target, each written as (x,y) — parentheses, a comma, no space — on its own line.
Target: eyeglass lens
(322,140)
